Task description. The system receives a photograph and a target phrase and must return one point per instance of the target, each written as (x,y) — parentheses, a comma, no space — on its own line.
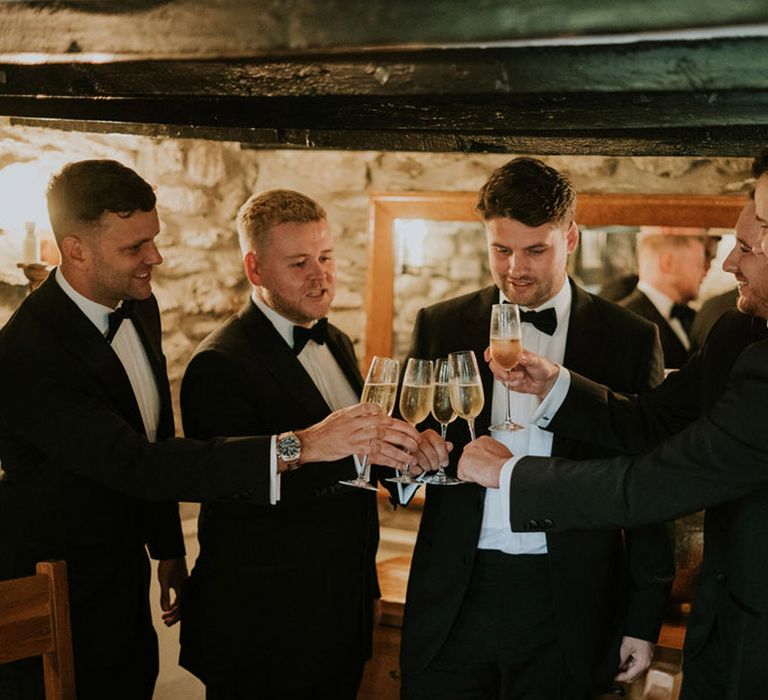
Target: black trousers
(503,643)
(732,663)
(343,686)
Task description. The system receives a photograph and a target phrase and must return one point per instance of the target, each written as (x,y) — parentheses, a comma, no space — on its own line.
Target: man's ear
(572,236)
(666,261)
(73,250)
(252,268)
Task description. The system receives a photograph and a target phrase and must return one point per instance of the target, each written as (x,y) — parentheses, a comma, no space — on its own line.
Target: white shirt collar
(98,314)
(561,302)
(282,325)
(660,300)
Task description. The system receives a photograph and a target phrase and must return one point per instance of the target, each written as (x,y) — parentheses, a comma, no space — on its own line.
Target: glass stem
(440,476)
(471,424)
(363,466)
(509,405)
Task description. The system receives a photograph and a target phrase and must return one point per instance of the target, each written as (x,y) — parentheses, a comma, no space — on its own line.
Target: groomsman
(717,461)
(490,613)
(92,471)
(280,603)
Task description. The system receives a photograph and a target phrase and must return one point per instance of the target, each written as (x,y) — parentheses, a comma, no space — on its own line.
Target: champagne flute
(506,348)
(415,401)
(467,396)
(380,388)
(442,410)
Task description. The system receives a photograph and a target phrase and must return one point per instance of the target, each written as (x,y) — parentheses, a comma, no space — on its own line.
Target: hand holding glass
(380,388)
(415,400)
(506,348)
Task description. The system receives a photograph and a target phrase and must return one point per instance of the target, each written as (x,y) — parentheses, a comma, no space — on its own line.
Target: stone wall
(201,184)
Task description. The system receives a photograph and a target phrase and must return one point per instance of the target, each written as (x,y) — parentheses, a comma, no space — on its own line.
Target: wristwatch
(289,449)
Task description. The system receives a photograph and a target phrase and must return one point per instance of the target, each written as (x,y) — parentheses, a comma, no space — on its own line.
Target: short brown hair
(529,191)
(262,211)
(84,190)
(760,164)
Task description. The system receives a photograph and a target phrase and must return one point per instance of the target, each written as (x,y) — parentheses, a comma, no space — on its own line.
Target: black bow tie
(684,314)
(318,333)
(545,321)
(125,310)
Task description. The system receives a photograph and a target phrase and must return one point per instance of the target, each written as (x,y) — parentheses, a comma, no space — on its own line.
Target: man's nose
(153,255)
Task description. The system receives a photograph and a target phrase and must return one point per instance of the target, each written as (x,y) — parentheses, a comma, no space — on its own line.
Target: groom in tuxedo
(718,461)
(490,613)
(92,470)
(280,603)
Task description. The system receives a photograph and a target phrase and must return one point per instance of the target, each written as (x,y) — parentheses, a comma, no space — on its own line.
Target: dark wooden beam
(673,97)
(716,64)
(719,141)
(154,27)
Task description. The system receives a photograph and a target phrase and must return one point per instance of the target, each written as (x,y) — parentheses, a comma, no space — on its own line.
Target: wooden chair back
(34,621)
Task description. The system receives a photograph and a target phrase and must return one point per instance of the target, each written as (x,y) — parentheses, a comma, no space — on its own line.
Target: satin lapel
(279,360)
(346,359)
(88,348)
(146,323)
(584,349)
(475,332)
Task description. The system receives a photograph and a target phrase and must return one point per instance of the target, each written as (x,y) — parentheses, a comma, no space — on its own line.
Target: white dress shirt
(130,351)
(664,306)
(495,532)
(324,371)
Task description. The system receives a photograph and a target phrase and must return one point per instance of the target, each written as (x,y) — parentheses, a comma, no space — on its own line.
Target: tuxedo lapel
(88,348)
(584,350)
(345,358)
(474,329)
(145,323)
(281,362)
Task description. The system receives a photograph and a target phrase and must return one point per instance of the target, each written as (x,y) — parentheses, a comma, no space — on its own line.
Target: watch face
(289,448)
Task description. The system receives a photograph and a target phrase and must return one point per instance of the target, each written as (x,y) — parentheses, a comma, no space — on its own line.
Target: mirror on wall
(429,246)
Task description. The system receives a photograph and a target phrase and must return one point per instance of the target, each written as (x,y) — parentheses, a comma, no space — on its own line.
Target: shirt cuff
(553,400)
(274,475)
(505,477)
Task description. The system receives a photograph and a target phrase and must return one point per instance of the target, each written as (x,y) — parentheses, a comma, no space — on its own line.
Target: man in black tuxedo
(727,635)
(92,471)
(489,613)
(671,268)
(301,573)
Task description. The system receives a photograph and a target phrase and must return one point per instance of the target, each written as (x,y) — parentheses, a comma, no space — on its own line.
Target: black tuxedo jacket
(675,353)
(301,574)
(82,482)
(595,601)
(733,581)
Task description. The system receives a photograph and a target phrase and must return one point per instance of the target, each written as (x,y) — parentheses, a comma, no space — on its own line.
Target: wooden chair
(34,621)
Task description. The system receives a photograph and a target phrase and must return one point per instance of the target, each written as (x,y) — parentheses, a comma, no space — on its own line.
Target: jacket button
(467,559)
(548,523)
(721,576)
(532,525)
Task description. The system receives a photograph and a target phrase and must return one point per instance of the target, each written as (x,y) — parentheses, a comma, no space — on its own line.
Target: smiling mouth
(316,294)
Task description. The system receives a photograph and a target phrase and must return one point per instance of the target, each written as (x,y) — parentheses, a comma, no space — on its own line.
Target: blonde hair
(263,211)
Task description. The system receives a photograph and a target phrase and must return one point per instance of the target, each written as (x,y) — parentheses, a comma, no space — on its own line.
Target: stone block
(312,173)
(176,199)
(206,164)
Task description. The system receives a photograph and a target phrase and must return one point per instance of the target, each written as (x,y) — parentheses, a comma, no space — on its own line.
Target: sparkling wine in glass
(442,410)
(506,348)
(415,400)
(380,388)
(467,396)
